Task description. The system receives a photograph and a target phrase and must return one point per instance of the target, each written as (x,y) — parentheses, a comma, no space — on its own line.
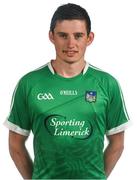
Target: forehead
(71,25)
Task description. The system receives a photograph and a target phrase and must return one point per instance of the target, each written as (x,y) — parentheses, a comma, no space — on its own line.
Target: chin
(70,61)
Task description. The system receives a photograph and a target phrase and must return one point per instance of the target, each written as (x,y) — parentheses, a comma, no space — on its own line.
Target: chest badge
(90,96)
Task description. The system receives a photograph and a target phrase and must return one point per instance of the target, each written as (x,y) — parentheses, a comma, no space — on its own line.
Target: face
(70,40)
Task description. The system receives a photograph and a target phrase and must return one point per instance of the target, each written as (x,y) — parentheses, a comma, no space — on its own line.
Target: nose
(71,42)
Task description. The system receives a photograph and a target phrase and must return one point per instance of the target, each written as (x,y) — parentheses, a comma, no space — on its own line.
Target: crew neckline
(69,78)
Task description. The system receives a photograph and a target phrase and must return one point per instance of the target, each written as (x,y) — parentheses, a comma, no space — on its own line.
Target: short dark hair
(70,12)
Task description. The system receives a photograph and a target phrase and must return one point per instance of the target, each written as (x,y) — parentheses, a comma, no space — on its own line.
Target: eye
(63,35)
(78,35)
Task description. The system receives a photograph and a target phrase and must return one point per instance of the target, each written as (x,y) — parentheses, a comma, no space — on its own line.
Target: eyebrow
(60,33)
(80,33)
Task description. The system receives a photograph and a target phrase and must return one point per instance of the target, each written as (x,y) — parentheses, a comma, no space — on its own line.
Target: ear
(51,36)
(90,38)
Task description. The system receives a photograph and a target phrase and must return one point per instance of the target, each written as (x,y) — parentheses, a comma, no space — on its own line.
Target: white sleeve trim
(16,128)
(118,129)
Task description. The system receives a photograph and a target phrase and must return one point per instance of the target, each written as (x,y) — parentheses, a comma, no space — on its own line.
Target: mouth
(70,53)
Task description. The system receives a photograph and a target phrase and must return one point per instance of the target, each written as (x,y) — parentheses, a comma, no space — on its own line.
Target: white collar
(53,72)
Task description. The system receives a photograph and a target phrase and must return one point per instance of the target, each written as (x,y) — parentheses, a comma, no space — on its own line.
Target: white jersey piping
(41,67)
(16,128)
(123,102)
(121,94)
(118,129)
(95,68)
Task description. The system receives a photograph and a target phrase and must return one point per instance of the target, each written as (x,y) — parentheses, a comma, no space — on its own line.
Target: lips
(70,52)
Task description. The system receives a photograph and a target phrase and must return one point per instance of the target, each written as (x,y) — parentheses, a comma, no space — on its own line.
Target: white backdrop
(24,46)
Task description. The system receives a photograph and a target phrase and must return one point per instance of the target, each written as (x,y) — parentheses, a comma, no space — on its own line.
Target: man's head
(70,32)
(70,12)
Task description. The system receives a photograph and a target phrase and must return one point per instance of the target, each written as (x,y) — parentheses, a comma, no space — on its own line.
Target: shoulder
(101,76)
(107,82)
(34,76)
(36,73)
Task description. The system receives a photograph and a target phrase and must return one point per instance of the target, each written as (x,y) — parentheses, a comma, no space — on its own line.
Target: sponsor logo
(58,125)
(68,92)
(45,96)
(90,96)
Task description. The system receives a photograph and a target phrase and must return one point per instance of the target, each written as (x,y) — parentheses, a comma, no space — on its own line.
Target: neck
(66,69)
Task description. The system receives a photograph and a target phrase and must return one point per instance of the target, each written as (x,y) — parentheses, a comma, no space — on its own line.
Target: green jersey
(69,118)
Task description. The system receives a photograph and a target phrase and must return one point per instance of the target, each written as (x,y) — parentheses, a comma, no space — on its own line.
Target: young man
(70,106)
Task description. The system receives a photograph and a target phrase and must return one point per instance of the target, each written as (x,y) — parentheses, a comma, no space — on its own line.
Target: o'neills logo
(68,92)
(58,125)
(45,96)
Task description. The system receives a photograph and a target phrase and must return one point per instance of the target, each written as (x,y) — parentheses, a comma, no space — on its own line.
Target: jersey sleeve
(117,116)
(18,119)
